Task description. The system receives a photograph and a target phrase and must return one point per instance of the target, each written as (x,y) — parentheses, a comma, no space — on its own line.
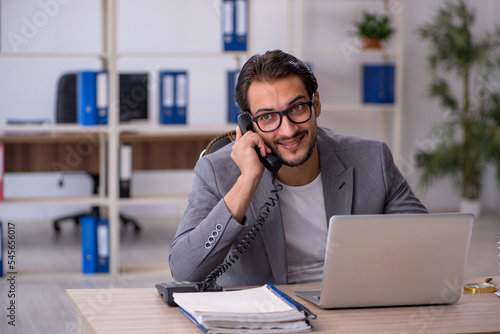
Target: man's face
(292,143)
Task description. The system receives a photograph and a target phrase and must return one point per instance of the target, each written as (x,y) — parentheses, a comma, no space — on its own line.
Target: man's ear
(317,104)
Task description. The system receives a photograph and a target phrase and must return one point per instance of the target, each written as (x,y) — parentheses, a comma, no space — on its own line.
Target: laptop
(393,260)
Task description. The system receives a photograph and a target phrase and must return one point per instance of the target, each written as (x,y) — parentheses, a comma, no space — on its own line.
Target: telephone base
(166,289)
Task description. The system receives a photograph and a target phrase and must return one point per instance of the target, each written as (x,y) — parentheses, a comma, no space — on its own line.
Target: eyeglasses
(299,113)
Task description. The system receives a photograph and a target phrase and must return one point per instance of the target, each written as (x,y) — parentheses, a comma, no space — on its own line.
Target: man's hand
(244,155)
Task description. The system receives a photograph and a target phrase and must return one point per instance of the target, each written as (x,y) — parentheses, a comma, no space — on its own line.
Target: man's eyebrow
(291,103)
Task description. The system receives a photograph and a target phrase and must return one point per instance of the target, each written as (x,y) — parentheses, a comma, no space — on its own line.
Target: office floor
(47,264)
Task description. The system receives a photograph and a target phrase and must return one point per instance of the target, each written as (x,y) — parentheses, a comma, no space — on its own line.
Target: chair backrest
(219,142)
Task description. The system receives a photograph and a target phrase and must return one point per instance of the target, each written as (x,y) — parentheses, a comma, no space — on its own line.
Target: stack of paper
(258,310)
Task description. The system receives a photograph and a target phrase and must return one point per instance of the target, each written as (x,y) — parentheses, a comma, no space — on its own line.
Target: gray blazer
(359,177)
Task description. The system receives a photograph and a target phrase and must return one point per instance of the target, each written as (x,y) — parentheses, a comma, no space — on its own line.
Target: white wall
(28,85)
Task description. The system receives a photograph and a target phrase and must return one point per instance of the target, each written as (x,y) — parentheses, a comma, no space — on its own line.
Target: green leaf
(440,89)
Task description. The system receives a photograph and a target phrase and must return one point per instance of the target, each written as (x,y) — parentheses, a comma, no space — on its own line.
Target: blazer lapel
(338,198)
(338,181)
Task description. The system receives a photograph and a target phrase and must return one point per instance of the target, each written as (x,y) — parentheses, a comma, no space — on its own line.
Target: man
(323,174)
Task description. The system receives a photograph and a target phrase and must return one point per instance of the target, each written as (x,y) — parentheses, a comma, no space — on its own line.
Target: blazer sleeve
(399,196)
(207,229)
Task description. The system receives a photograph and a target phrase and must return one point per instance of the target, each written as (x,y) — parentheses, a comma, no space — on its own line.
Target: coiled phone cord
(248,239)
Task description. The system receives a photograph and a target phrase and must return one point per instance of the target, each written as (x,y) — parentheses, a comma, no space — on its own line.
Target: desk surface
(143,311)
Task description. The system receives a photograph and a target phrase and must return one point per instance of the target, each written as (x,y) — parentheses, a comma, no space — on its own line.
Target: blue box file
(235,25)
(89,244)
(92,97)
(378,83)
(174,89)
(86,98)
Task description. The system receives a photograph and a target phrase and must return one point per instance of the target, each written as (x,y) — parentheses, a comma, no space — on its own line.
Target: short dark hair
(270,67)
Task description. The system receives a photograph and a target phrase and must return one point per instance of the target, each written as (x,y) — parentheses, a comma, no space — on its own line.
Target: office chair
(94,212)
(219,142)
(66,113)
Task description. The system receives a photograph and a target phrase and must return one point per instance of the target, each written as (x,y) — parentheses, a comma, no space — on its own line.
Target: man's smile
(292,143)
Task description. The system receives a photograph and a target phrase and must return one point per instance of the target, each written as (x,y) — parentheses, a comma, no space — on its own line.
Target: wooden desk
(105,311)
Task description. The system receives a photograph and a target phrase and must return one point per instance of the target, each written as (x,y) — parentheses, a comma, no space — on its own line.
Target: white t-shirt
(304,220)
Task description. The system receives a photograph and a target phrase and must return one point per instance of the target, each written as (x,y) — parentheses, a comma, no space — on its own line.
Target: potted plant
(373,29)
(467,139)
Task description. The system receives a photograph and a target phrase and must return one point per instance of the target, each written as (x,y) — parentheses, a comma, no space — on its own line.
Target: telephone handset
(270,161)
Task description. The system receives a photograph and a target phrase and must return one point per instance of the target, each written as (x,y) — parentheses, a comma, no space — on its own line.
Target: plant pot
(371,43)
(470,206)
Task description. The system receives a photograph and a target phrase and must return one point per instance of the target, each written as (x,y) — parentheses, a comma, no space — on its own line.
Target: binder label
(102,232)
(102,241)
(168,90)
(125,169)
(228,22)
(102,90)
(126,162)
(181,90)
(102,96)
(241,18)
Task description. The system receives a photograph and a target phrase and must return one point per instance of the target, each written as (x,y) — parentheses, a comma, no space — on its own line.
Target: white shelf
(153,199)
(55,201)
(143,128)
(177,130)
(53,55)
(386,52)
(193,54)
(51,128)
(345,0)
(357,107)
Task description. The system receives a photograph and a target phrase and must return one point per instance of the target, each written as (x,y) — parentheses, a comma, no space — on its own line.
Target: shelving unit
(60,201)
(295,41)
(111,135)
(51,129)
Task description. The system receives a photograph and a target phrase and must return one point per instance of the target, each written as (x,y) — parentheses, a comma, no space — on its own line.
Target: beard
(298,160)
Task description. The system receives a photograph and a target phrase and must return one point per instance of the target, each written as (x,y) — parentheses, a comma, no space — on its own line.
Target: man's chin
(294,161)
(297,157)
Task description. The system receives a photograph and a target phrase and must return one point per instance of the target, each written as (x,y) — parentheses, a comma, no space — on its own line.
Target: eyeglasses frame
(285,113)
